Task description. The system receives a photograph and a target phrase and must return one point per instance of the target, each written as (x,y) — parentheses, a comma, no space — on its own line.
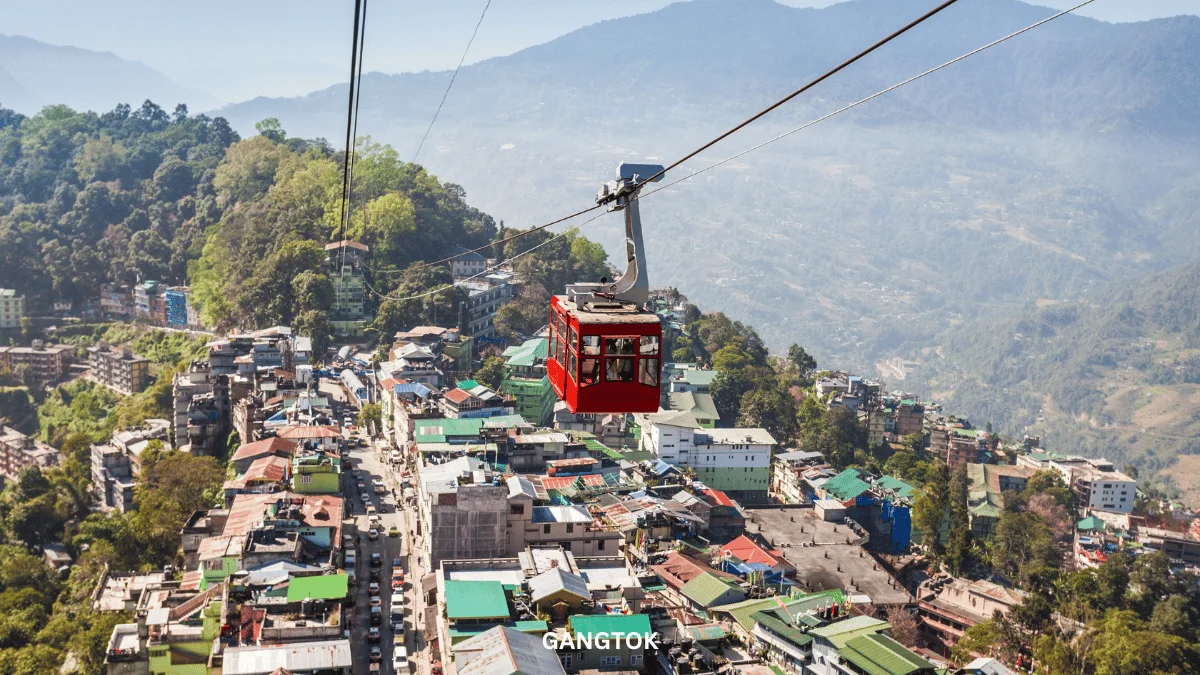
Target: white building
(1097,484)
(484,298)
(12,308)
(730,460)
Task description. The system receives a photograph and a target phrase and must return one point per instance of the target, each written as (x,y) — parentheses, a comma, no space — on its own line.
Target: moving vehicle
(372,534)
(393,531)
(605,346)
(376,653)
(376,616)
(376,601)
(376,560)
(373,588)
(373,634)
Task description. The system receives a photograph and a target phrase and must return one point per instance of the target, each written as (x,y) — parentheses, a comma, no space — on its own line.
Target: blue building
(177,302)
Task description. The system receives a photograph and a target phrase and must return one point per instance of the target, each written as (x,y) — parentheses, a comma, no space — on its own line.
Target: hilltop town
(427,503)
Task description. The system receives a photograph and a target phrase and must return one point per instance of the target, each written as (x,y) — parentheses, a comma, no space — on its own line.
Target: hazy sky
(238,49)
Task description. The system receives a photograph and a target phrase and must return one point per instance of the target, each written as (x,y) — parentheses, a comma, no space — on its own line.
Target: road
(371,464)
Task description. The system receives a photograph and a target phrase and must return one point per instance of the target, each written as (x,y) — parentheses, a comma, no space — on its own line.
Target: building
(349,312)
(623,654)
(505,651)
(1183,548)
(12,309)
(787,483)
(118,369)
(985,493)
(484,298)
(316,473)
(525,380)
(693,380)
(117,464)
(464,510)
(949,607)
(737,461)
(700,406)
(47,363)
(19,452)
(177,309)
(957,445)
(861,644)
(465,262)
(116,301)
(1097,484)
(149,303)
(413,362)
(471,400)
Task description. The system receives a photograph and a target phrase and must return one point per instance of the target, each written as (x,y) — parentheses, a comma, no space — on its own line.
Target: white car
(400,662)
(397,601)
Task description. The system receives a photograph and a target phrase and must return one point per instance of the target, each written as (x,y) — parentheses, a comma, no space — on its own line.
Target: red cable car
(605,352)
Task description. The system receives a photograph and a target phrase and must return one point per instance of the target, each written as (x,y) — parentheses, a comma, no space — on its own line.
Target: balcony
(123,644)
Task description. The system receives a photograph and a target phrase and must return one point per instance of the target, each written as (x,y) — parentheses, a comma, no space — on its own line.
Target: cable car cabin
(604,356)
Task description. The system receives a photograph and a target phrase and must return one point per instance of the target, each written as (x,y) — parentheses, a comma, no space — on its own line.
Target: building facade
(118,369)
(48,363)
(731,460)
(12,309)
(349,312)
(19,452)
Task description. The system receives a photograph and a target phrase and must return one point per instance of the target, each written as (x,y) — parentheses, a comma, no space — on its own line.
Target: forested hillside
(130,195)
(1116,374)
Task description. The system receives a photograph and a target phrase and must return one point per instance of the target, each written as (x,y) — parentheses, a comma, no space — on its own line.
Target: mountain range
(34,74)
(1047,166)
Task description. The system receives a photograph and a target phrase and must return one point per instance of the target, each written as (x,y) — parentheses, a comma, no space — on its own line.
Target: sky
(235,50)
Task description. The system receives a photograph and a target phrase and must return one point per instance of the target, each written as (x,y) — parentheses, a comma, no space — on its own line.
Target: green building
(525,380)
(349,312)
(316,474)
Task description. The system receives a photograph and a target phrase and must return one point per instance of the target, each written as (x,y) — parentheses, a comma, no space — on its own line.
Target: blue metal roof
(415,388)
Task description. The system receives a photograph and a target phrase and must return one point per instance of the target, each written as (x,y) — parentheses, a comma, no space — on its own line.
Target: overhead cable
(452,78)
(749,150)
(859,102)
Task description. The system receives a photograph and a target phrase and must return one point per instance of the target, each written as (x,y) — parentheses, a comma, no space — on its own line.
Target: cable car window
(648,371)
(560,354)
(589,372)
(573,339)
(649,345)
(553,326)
(619,370)
(591,345)
(619,346)
(562,328)
(571,364)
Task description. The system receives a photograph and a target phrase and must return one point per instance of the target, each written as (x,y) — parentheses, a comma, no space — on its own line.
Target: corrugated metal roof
(557,579)
(881,655)
(846,485)
(322,587)
(841,632)
(612,624)
(706,590)
(306,656)
(506,651)
(475,600)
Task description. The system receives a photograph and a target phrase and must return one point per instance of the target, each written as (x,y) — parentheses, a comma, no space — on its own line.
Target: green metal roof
(743,612)
(841,632)
(323,587)
(1090,524)
(531,626)
(881,655)
(706,589)
(438,430)
(773,622)
(475,600)
(706,632)
(701,378)
(467,385)
(612,624)
(527,353)
(896,485)
(701,406)
(846,485)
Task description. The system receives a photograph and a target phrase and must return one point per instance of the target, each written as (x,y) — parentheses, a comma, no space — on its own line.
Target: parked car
(393,531)
(400,662)
(377,560)
(397,584)
(376,601)
(372,534)
(397,600)
(376,654)
(373,588)
(395,563)
(373,634)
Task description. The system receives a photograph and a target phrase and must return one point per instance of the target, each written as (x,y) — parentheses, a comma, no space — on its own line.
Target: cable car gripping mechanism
(634,285)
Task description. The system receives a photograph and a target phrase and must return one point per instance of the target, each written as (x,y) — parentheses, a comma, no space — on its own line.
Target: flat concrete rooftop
(825,555)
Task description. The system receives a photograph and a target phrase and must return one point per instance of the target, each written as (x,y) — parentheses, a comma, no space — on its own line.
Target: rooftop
(612,624)
(881,655)
(846,485)
(505,651)
(320,587)
(841,632)
(475,600)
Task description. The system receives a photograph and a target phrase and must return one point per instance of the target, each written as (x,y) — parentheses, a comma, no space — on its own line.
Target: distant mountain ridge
(1048,166)
(34,74)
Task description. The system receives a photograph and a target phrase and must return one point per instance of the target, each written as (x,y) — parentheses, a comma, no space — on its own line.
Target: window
(648,345)
(570,528)
(545,529)
(600,545)
(589,372)
(571,365)
(517,509)
(565,660)
(591,345)
(618,346)
(648,372)
(635,660)
(618,370)
(306,478)
(609,661)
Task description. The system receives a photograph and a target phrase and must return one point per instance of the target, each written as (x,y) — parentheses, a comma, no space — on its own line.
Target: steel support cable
(750,120)
(779,137)
(493,268)
(351,131)
(452,78)
(859,102)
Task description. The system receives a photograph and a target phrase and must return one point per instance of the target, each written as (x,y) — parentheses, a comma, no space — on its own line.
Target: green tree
(770,408)
(370,415)
(801,359)
(1022,547)
(490,372)
(931,510)
(271,129)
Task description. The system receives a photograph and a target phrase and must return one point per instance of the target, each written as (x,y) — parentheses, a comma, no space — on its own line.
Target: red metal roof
(718,498)
(269,469)
(305,432)
(680,569)
(457,395)
(264,447)
(747,550)
(318,511)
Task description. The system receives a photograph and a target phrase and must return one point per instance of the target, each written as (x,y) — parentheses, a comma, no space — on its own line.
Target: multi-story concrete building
(478,401)
(176,310)
(949,607)
(484,298)
(116,464)
(12,309)
(464,510)
(116,301)
(736,461)
(150,303)
(349,312)
(19,452)
(415,363)
(1097,484)
(787,484)
(957,445)
(118,369)
(525,380)
(466,263)
(48,363)
(985,496)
